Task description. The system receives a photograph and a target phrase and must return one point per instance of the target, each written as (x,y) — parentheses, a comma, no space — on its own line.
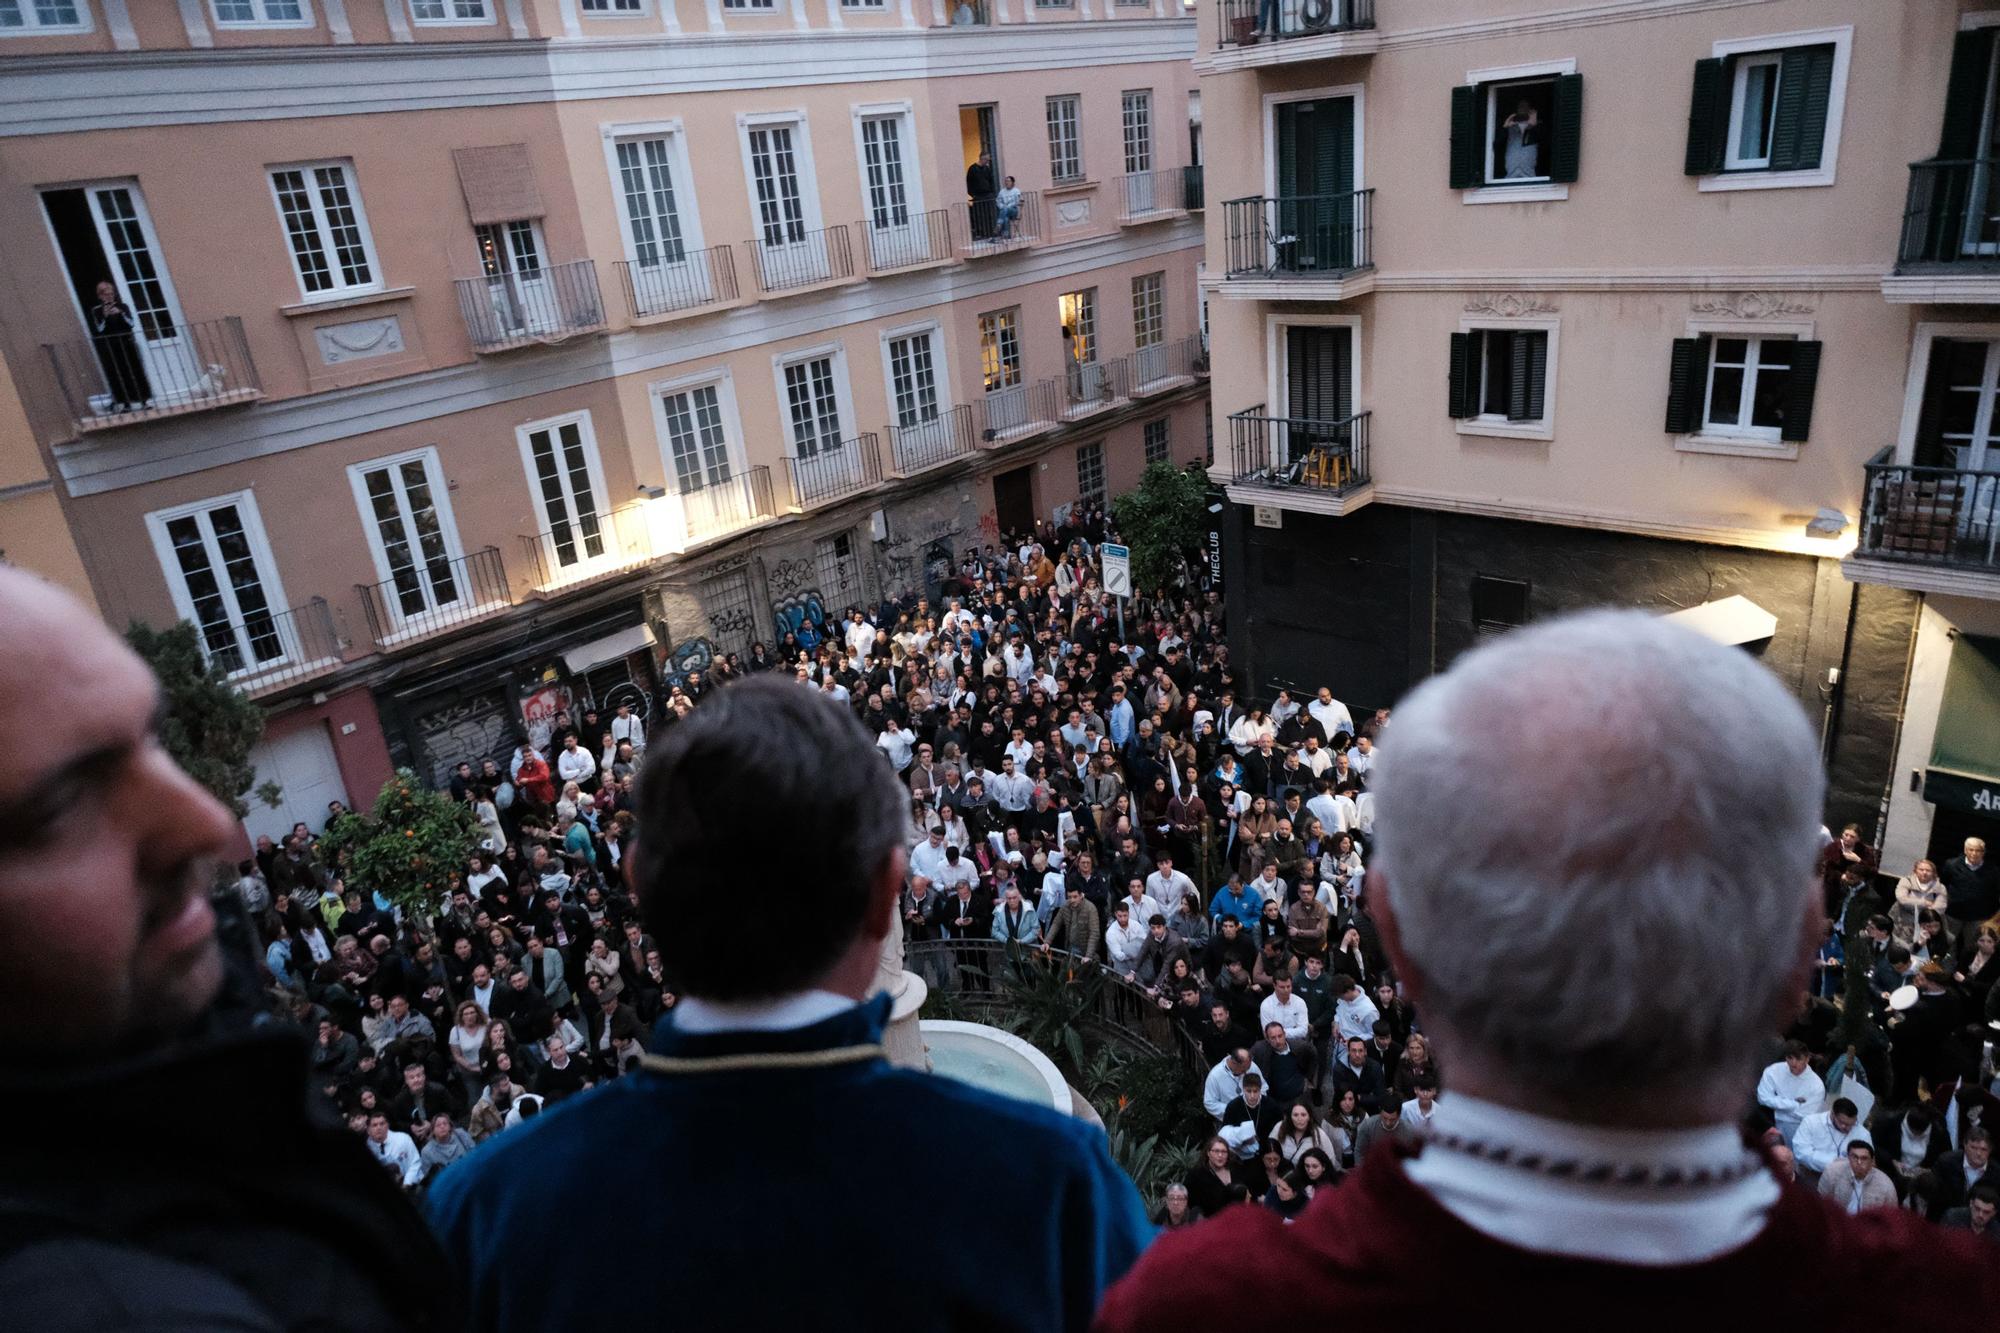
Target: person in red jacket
(1603,922)
(534,781)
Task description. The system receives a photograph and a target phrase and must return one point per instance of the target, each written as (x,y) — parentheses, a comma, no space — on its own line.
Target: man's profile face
(114,891)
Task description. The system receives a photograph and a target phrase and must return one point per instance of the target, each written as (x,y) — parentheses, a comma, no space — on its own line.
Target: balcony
(980,229)
(266,651)
(1167,366)
(933,442)
(1192,189)
(675,283)
(1019,411)
(1950,247)
(845,467)
(798,259)
(717,509)
(1308,247)
(1305,30)
(163,370)
(589,547)
(917,239)
(439,593)
(529,307)
(1153,196)
(1321,466)
(1090,387)
(1928,529)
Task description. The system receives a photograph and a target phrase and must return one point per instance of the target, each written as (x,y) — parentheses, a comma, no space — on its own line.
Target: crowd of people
(1119,798)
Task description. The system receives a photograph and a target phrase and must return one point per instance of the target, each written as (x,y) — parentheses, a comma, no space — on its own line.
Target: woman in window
(1520,148)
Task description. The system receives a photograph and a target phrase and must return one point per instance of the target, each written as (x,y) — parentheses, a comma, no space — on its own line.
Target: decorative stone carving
(1073,212)
(1509,305)
(1751,305)
(359,340)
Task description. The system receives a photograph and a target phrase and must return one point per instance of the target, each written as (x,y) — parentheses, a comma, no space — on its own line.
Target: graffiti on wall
(689,656)
(539,709)
(468,731)
(790,576)
(790,612)
(909,567)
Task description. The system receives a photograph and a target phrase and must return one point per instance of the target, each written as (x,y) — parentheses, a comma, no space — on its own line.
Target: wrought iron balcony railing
(1242,19)
(1168,365)
(890,241)
(686,280)
(1148,196)
(1095,386)
(428,595)
(1951,215)
(1287,451)
(933,441)
(982,227)
(837,469)
(543,305)
(802,258)
(1019,411)
(588,546)
(264,650)
(161,369)
(1939,516)
(1320,235)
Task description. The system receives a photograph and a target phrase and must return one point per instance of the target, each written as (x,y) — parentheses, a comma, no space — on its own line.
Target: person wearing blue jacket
(1239,900)
(680,1223)
(1015,922)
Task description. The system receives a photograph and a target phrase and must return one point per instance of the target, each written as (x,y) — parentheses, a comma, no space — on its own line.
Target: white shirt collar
(1623,1224)
(778,1014)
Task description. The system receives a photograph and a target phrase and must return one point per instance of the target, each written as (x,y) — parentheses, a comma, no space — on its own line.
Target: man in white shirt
(860,634)
(956,870)
(1790,1089)
(927,858)
(1285,1009)
(1823,1136)
(482,988)
(898,744)
(1418,1110)
(1019,749)
(1123,939)
(395,1150)
(1315,758)
(1143,906)
(1331,714)
(1166,885)
(1362,756)
(626,727)
(1354,1014)
(1225,1082)
(1011,789)
(574,763)
(1336,813)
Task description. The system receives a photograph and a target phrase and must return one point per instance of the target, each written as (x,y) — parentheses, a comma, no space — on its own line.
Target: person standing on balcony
(113,335)
(980,190)
(669,1212)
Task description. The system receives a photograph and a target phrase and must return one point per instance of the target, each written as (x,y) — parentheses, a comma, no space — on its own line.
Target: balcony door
(1313,226)
(698,452)
(827,461)
(790,253)
(1982,206)
(1318,390)
(894,226)
(407,516)
(517,281)
(1957,428)
(105,235)
(1137,118)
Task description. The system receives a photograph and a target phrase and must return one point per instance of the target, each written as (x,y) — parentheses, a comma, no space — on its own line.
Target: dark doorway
(1949,830)
(1014,499)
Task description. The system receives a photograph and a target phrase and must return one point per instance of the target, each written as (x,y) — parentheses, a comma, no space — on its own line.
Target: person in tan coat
(1853,1183)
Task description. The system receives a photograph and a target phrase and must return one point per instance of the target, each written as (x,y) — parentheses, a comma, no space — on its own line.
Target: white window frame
(1742,442)
(593,467)
(32,24)
(1166,429)
(687,210)
(1076,136)
(940,369)
(613,9)
(1277,378)
(261,554)
(808,175)
(843,394)
(724,383)
(306,18)
(340,290)
(1732,159)
(489,7)
(1498,426)
(357,480)
(1158,278)
(1920,360)
(1101,495)
(1543,190)
(1088,305)
(1271,102)
(904,113)
(1020,350)
(1842,40)
(1125,124)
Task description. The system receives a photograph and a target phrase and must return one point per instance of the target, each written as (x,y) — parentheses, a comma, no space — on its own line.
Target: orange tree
(407,848)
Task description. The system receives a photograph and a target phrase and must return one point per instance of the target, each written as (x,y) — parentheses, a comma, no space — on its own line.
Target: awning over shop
(1967,741)
(1732,620)
(609,648)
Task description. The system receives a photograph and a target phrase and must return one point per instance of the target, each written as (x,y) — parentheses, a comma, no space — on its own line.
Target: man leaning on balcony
(698,1226)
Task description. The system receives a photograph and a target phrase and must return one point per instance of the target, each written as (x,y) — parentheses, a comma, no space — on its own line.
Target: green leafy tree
(209,726)
(1160,519)
(407,848)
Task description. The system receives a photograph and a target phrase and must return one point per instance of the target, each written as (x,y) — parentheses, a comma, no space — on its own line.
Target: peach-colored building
(1526,305)
(462,359)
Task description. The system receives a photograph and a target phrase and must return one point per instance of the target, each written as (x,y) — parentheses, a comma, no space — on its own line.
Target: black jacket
(1366,1082)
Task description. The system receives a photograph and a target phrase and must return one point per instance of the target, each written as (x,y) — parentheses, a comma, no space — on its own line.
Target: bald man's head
(106,846)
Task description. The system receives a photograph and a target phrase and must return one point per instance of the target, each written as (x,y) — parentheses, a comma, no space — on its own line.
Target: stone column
(906,995)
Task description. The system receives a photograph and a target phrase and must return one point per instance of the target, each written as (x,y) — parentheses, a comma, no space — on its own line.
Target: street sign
(1117,569)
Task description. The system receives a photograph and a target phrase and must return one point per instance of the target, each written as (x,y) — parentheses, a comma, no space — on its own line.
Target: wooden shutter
(1288,150)
(1334,164)
(1529,366)
(1468,138)
(1566,152)
(1464,377)
(1317,376)
(1965,94)
(1708,118)
(1687,377)
(1799,393)
(498,183)
(1805,85)
(1929,450)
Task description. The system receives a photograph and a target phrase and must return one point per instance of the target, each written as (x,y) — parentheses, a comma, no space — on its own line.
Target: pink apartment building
(461,358)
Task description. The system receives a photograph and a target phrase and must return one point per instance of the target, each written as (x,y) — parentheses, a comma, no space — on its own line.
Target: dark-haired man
(647,1158)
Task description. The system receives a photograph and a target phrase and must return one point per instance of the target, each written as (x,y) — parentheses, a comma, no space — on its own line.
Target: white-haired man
(1603,924)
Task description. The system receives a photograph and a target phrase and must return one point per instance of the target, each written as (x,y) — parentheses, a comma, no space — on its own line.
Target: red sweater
(1379,1253)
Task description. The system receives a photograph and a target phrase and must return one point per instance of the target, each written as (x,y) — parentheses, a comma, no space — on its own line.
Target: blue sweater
(663,1184)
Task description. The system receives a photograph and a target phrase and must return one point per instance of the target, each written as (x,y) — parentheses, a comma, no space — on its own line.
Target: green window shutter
(1517,377)
(1468,138)
(1288,150)
(1566,152)
(1805,85)
(1463,381)
(1708,118)
(1686,378)
(1538,373)
(1799,393)
(1965,94)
